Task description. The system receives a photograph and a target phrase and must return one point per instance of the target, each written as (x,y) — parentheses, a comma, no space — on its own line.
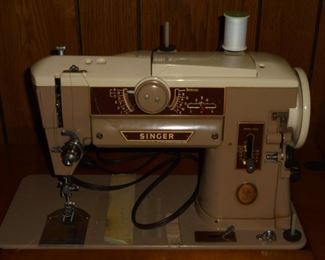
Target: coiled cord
(169,164)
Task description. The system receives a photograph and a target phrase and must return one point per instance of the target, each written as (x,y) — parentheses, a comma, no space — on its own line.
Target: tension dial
(152,96)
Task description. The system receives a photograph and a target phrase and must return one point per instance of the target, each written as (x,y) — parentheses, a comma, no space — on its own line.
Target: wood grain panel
(318,88)
(196,25)
(287,28)
(2,127)
(166,254)
(30,30)
(108,26)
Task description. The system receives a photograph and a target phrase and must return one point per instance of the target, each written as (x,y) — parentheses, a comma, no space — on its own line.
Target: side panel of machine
(75,110)
(222,195)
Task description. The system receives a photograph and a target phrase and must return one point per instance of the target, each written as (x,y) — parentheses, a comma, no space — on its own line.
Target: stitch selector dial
(152,96)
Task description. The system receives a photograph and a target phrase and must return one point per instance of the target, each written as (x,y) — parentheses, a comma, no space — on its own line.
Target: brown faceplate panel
(183,101)
(158,136)
(255,130)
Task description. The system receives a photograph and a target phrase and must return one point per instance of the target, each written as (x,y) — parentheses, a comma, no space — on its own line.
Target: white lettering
(156,136)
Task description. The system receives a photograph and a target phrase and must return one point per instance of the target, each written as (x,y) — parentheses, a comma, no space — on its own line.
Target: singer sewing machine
(248,110)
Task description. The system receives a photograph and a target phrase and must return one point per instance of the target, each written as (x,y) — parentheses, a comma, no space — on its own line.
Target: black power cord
(100,187)
(144,164)
(153,185)
(91,163)
(136,155)
(171,164)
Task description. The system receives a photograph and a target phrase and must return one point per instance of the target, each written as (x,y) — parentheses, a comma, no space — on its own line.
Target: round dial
(246,193)
(299,117)
(152,96)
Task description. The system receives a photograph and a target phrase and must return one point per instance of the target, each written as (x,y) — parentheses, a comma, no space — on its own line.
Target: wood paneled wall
(31,29)
(318,86)
(288,29)
(108,27)
(195,25)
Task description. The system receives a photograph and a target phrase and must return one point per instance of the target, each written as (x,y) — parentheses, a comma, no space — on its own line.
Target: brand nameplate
(157,136)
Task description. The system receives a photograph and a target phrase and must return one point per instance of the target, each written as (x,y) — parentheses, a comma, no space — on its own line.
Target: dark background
(294,29)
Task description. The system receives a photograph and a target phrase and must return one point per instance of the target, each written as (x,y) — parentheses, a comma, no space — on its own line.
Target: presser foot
(59,232)
(68,212)
(69,224)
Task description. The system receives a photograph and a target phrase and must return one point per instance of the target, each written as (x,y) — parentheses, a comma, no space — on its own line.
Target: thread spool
(235,31)
(166,46)
(166,35)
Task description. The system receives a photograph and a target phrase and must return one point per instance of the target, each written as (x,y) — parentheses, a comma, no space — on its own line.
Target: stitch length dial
(122,101)
(178,105)
(202,104)
(156,99)
(152,96)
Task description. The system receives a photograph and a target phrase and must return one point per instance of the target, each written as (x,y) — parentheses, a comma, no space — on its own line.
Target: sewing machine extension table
(32,219)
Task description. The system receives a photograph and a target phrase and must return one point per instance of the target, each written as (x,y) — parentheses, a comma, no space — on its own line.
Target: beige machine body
(240,107)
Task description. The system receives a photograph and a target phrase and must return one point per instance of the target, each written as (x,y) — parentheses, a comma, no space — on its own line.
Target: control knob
(152,95)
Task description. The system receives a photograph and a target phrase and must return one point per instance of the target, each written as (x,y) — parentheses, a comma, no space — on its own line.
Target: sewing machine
(248,110)
(245,109)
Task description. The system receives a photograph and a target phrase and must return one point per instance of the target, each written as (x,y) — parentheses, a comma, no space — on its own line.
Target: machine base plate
(23,226)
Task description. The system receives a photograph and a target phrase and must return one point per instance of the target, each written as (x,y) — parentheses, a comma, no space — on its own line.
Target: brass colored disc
(246,193)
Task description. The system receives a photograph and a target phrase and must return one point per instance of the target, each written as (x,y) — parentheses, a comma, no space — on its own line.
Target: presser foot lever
(66,188)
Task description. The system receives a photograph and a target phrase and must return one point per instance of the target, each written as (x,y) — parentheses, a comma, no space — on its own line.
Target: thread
(235,31)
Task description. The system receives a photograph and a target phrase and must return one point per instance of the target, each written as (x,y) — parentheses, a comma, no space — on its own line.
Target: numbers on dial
(202,104)
(157,99)
(178,105)
(122,102)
